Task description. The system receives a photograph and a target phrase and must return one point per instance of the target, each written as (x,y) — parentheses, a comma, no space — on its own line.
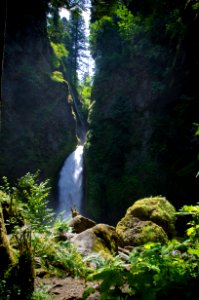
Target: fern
(35,194)
(193,230)
(112,276)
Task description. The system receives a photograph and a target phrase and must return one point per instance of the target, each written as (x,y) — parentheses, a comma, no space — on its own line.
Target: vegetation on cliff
(38,127)
(144,105)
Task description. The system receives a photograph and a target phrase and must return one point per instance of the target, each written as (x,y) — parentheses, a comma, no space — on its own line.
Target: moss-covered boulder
(133,232)
(100,239)
(156,209)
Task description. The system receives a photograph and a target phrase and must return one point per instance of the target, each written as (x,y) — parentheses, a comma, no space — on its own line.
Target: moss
(157,209)
(126,223)
(148,231)
(101,239)
(6,254)
(58,77)
(134,232)
(107,236)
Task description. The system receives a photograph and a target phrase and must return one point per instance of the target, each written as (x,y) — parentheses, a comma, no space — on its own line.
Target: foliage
(60,52)
(41,293)
(103,8)
(58,77)
(70,4)
(77,46)
(101,30)
(128,24)
(37,212)
(137,124)
(57,29)
(153,271)
(193,230)
(60,225)
(38,244)
(69,43)
(113,275)
(28,201)
(57,258)
(84,90)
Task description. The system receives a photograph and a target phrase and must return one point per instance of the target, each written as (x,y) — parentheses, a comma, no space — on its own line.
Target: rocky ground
(67,288)
(147,220)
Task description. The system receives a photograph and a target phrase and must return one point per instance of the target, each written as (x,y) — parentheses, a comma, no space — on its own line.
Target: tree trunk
(5,251)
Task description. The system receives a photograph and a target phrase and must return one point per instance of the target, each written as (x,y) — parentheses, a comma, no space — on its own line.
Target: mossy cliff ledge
(38,125)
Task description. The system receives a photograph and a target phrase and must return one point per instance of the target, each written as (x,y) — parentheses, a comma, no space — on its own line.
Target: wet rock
(101,239)
(80,223)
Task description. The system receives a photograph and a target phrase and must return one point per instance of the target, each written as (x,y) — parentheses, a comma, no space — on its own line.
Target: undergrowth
(152,271)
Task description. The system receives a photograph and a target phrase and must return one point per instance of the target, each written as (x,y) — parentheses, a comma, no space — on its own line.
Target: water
(70,183)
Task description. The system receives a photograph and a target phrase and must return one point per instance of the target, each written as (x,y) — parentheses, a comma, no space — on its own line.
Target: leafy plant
(57,258)
(112,277)
(34,194)
(60,52)
(60,225)
(193,230)
(58,76)
(41,293)
(153,271)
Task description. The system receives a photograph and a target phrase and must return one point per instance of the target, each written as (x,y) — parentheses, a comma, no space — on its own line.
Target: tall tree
(77,51)
(70,4)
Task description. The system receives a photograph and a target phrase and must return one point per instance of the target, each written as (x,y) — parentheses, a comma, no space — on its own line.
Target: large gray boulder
(80,223)
(101,239)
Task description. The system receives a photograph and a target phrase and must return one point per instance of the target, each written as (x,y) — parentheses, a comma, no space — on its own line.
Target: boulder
(80,223)
(156,209)
(134,232)
(100,239)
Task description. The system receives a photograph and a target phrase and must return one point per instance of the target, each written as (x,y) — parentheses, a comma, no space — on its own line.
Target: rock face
(38,126)
(101,239)
(148,219)
(144,99)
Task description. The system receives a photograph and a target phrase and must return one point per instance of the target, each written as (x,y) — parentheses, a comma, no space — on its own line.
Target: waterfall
(70,183)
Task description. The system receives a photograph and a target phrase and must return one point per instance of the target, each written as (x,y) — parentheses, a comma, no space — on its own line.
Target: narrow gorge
(99,150)
(140,107)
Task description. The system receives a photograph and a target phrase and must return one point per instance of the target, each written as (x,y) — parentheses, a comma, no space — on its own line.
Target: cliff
(144,105)
(38,125)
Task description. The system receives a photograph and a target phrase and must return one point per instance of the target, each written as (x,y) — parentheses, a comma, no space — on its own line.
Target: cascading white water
(70,183)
